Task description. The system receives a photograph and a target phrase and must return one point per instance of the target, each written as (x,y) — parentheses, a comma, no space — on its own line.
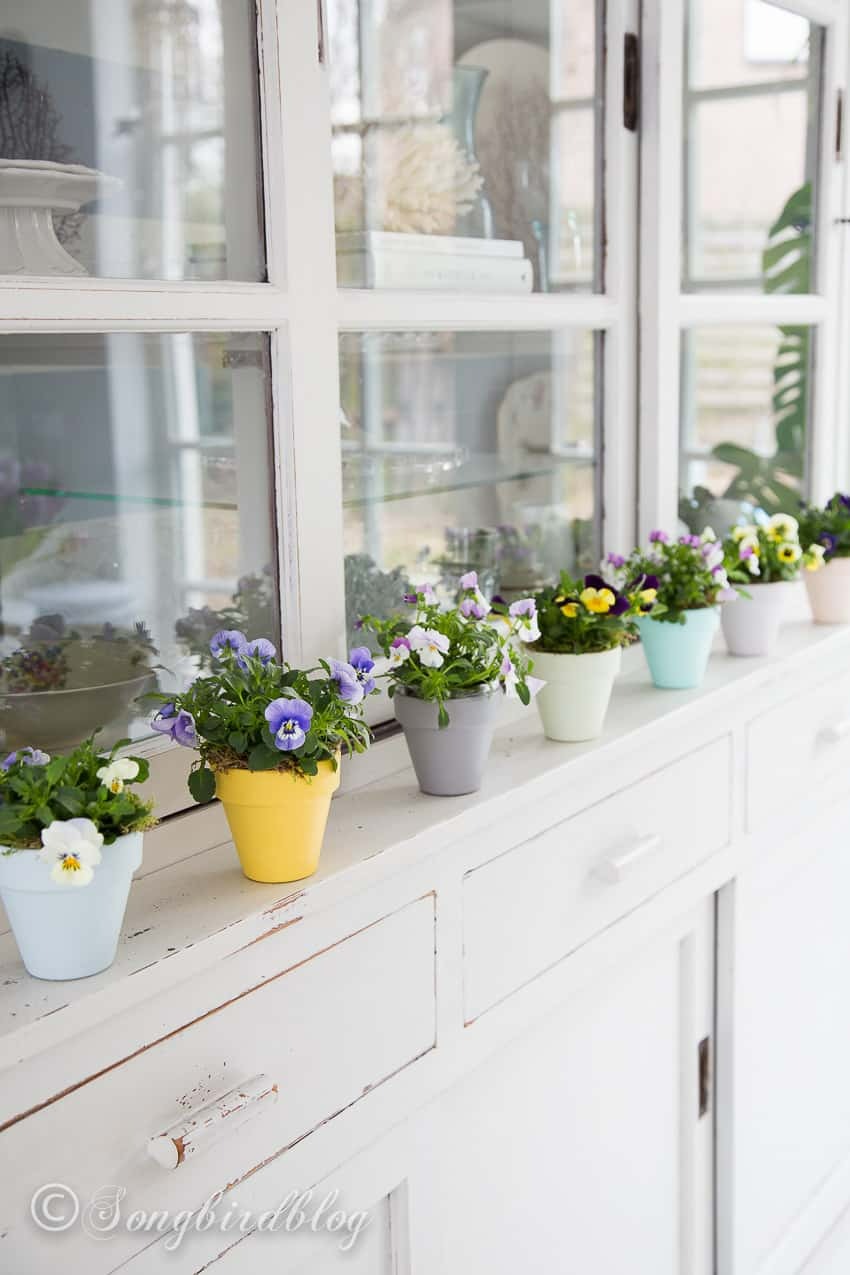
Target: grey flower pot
(448,762)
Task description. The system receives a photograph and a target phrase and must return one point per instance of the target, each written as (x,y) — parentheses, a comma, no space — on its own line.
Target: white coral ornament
(72,848)
(423,180)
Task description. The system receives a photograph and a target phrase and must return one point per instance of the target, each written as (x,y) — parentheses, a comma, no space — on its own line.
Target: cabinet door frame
(666,312)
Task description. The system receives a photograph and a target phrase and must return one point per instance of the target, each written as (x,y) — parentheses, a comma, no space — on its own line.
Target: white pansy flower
(72,848)
(114,775)
(745,532)
(429,645)
(753,565)
(708,535)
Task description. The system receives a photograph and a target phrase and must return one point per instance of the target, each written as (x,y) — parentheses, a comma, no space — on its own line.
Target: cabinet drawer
(325,1032)
(525,910)
(800,747)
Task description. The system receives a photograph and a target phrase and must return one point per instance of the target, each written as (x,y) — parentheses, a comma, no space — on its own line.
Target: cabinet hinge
(631,82)
(704,1073)
(322,23)
(839,124)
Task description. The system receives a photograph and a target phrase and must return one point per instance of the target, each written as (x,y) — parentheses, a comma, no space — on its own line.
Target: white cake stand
(30,192)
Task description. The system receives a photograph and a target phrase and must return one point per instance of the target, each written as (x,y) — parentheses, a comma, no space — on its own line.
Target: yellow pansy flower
(782,527)
(813,558)
(789,552)
(570,610)
(741,533)
(648,595)
(599,601)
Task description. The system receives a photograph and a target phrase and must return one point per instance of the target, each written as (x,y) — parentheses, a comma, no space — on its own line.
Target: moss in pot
(447,673)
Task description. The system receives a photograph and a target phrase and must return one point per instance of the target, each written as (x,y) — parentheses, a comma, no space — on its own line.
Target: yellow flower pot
(277,819)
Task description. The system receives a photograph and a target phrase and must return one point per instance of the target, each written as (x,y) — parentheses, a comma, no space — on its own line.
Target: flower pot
(63,931)
(575,699)
(829,592)
(677,654)
(277,819)
(449,762)
(751,624)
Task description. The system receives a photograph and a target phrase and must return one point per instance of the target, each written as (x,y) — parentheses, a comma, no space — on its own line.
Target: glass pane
(466,144)
(135,521)
(745,408)
(466,450)
(752,125)
(131,128)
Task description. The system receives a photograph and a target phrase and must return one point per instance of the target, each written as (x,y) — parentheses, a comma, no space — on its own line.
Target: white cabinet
(581,1146)
(785,1132)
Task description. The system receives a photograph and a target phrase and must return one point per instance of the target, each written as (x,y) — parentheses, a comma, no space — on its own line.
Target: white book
(433,271)
(393,241)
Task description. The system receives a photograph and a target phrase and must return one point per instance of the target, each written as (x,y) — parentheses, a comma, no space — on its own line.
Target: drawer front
(525,910)
(800,747)
(324,1032)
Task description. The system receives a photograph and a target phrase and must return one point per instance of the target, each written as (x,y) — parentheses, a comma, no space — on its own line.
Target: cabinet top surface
(183,918)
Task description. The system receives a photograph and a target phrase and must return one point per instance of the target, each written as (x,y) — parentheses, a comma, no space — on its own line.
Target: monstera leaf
(772,483)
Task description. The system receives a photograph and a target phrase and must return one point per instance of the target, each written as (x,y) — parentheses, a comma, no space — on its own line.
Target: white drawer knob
(837,732)
(615,867)
(209,1123)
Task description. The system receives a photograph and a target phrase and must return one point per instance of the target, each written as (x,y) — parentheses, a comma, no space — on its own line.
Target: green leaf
(202,784)
(72,800)
(523,693)
(56,769)
(237,740)
(442,716)
(9,823)
(44,815)
(262,757)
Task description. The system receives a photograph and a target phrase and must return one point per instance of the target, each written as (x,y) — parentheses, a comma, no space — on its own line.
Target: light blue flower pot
(677,654)
(67,931)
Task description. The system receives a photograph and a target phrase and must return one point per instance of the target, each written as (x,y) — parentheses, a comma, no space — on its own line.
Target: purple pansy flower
(829,541)
(615,560)
(658,537)
(289,720)
(621,604)
(472,609)
(360,659)
(28,756)
(469,580)
(227,640)
(845,500)
(260,648)
(180,726)
(347,682)
(693,542)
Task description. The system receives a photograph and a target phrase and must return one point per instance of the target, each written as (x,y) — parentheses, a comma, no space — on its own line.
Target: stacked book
(385,259)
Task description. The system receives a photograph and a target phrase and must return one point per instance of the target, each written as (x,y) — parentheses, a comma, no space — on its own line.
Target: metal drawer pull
(615,867)
(837,732)
(206,1125)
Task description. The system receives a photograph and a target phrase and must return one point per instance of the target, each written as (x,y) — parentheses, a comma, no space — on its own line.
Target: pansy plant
(828,527)
(71,807)
(769,551)
(450,652)
(584,617)
(688,574)
(254,712)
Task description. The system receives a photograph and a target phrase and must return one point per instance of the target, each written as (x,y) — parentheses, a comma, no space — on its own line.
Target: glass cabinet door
(466,451)
(467,144)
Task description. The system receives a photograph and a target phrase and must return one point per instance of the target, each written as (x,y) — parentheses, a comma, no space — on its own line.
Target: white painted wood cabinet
(502,1050)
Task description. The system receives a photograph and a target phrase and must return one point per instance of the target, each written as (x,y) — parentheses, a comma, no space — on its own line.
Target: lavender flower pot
(829,592)
(449,762)
(62,931)
(751,624)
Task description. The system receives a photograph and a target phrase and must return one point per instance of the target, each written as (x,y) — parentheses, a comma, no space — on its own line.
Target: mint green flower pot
(677,654)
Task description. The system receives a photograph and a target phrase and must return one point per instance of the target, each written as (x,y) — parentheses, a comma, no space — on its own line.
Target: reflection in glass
(752,130)
(137,121)
(134,522)
(466,451)
(465,140)
(745,406)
